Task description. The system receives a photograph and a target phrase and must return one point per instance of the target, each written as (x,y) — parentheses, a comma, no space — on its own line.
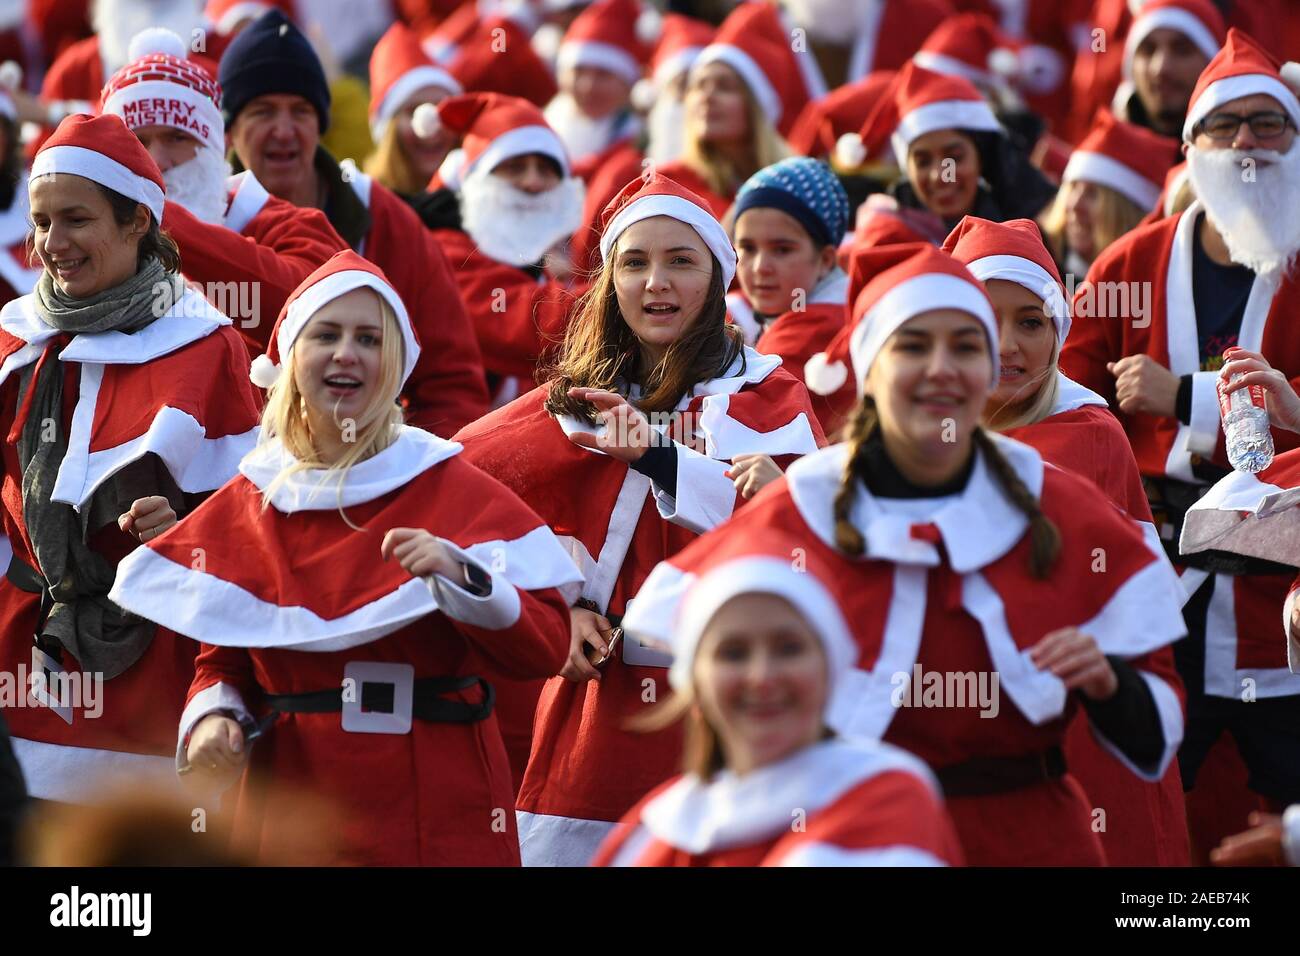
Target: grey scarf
(102,636)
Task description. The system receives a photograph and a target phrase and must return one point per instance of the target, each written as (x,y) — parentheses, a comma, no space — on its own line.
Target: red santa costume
(502,233)
(1079,434)
(417,777)
(950,573)
(863,802)
(609,35)
(229,229)
(165,409)
(586,770)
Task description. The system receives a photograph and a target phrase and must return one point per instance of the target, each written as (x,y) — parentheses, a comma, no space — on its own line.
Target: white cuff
(495,612)
(705,495)
(1171,724)
(211,700)
(1203,425)
(1291,834)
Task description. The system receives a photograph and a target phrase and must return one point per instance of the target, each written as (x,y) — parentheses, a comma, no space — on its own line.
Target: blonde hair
(390,165)
(285,414)
(724,176)
(1116,215)
(1045,538)
(1044,399)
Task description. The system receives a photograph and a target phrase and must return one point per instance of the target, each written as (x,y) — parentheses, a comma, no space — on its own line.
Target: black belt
(426,704)
(983,776)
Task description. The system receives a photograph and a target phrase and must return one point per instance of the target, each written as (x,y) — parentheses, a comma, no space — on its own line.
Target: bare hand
(752,473)
(627,433)
(148,518)
(1075,658)
(216,751)
(1259,846)
(420,554)
(1144,385)
(1283,403)
(585,628)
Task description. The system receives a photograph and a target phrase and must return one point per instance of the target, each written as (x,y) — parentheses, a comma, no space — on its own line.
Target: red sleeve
(289,244)
(536,645)
(1093,341)
(447,389)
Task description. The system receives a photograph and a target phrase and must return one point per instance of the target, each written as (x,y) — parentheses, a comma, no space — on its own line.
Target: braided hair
(1045,539)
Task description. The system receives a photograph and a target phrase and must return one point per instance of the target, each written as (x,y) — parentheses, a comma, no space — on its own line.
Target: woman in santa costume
(406,576)
(760,652)
(650,342)
(744,90)
(960,555)
(402,78)
(125,399)
(789,220)
(956,160)
(1071,427)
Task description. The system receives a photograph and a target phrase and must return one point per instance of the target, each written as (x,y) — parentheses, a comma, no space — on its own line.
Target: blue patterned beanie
(803,188)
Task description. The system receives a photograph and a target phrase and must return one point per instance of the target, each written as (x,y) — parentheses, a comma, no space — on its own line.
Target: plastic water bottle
(1245,426)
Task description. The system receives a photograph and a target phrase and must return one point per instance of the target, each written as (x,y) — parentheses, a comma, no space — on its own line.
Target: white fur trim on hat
(518,142)
(1029,275)
(1168,18)
(1234,88)
(406,84)
(602,56)
(337,284)
(943,114)
(683,210)
(763,575)
(750,72)
(1106,171)
(908,299)
(101,169)
(162,103)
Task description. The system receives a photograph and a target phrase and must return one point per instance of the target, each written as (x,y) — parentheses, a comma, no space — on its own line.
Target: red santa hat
(829,126)
(399,67)
(1012,251)
(1198,20)
(753,42)
(681,41)
(225,15)
(103,150)
(1241,68)
(888,285)
(769,573)
(492,128)
(656,195)
(974,47)
(340,274)
(610,35)
(919,102)
(161,87)
(1129,159)
(490,55)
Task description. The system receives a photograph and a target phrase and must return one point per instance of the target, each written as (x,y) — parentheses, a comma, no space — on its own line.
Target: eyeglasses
(1265,125)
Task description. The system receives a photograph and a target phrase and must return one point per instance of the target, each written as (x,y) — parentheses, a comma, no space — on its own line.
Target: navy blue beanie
(272,56)
(803,188)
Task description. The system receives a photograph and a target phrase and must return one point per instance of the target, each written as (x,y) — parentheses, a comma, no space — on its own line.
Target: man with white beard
(247,249)
(509,197)
(1218,275)
(76,75)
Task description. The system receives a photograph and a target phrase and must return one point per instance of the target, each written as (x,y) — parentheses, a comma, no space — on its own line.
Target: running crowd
(785,432)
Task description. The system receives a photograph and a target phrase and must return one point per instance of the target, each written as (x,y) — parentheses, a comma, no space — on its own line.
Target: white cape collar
(413,452)
(1071,395)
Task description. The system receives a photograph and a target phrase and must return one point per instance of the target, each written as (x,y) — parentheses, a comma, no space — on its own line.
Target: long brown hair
(600,351)
(1045,538)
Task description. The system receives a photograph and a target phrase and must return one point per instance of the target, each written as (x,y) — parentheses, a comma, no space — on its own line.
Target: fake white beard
(515,227)
(580,134)
(830,21)
(200,185)
(1256,218)
(118,21)
(666,123)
